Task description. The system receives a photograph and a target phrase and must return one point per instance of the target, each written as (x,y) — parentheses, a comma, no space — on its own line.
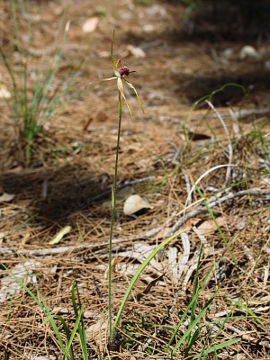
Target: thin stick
(143,235)
(230,149)
(241,114)
(231,196)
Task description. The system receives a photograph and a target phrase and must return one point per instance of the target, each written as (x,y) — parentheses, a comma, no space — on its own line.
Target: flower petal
(136,93)
(121,89)
(108,79)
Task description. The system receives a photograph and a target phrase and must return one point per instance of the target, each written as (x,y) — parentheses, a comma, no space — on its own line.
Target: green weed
(78,329)
(33,103)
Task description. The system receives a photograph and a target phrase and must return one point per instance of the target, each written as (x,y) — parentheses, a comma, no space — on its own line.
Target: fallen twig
(241,114)
(143,235)
(230,196)
(250,339)
(64,249)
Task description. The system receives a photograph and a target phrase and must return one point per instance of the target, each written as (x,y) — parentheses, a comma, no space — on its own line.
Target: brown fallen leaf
(209,227)
(148,287)
(165,231)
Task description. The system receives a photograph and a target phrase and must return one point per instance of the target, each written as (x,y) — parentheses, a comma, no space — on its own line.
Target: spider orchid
(121,72)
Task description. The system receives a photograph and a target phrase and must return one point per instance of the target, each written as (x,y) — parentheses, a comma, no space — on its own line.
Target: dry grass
(75,166)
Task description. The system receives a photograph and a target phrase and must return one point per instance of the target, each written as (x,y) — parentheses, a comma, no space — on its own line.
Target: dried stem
(230,149)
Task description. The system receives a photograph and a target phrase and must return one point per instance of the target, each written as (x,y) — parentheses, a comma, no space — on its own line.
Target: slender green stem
(114,189)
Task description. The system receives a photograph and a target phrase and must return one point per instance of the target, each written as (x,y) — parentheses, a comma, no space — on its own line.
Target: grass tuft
(33,103)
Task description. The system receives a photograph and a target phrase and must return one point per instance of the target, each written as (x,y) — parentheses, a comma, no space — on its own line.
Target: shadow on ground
(227,20)
(56,194)
(200,85)
(215,24)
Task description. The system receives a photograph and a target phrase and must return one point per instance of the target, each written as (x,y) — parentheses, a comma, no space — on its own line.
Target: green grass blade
(47,113)
(81,330)
(195,288)
(40,96)
(15,91)
(220,89)
(181,320)
(192,341)
(74,299)
(226,243)
(51,74)
(194,298)
(74,331)
(45,80)
(217,347)
(67,332)
(251,313)
(52,322)
(43,306)
(22,64)
(229,316)
(138,273)
(83,347)
(25,68)
(82,335)
(195,322)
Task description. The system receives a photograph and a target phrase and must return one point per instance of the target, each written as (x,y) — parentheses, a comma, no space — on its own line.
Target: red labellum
(124,70)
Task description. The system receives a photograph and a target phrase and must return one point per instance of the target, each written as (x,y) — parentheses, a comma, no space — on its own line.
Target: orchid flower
(121,72)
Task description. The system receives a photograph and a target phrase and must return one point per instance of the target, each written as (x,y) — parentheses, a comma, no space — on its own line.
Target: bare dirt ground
(163,152)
